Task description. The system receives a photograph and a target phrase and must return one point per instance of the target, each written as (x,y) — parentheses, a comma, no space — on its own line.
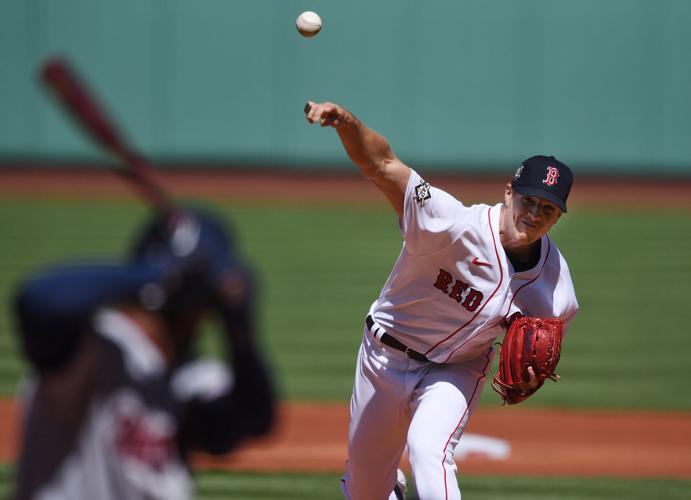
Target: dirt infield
(312,437)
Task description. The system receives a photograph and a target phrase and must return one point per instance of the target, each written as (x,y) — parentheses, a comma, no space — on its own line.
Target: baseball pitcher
(464,275)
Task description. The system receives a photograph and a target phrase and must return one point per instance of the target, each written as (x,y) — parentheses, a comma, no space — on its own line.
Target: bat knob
(54,69)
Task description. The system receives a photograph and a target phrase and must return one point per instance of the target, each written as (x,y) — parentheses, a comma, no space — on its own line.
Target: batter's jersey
(128,444)
(453,286)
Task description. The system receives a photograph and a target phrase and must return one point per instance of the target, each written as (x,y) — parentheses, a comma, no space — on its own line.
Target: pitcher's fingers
(332,115)
(310,111)
(533,378)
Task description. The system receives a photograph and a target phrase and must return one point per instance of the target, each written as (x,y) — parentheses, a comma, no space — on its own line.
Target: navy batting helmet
(192,248)
(184,236)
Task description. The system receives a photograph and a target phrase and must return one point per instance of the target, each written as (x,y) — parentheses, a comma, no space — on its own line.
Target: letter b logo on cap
(552,175)
(544,177)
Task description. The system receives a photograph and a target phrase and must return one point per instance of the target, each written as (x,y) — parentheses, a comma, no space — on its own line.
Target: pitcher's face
(531,217)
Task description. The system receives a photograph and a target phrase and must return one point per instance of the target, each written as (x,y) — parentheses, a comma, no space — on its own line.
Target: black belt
(387,339)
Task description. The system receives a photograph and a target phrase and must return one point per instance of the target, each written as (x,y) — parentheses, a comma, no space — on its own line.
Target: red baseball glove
(529,342)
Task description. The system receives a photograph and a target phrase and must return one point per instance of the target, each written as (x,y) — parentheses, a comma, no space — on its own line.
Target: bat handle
(142,178)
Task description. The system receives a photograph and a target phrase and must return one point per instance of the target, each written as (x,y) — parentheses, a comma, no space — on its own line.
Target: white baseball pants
(398,401)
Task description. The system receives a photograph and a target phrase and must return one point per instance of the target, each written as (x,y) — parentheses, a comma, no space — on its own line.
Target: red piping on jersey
(501,279)
(470,402)
(549,247)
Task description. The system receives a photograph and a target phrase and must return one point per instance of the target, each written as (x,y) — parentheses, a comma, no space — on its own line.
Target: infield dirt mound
(312,437)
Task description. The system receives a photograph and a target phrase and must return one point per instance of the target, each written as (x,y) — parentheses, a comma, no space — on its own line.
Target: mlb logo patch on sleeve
(422,193)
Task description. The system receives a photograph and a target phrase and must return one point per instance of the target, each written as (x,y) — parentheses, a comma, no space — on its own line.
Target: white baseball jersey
(453,286)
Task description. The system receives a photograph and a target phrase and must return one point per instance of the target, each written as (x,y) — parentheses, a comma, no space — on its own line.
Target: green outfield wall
(458,85)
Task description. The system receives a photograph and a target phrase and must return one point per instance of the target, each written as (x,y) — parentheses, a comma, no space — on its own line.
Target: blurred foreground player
(117,401)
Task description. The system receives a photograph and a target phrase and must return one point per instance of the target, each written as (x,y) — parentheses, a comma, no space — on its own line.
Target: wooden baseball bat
(82,104)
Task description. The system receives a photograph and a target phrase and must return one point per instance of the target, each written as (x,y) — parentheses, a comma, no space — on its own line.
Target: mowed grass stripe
(320,268)
(215,485)
(631,273)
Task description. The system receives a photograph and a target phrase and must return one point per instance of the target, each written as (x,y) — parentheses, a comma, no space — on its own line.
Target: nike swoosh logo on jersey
(478,262)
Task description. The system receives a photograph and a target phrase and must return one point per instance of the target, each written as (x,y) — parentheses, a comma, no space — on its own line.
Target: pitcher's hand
(327,114)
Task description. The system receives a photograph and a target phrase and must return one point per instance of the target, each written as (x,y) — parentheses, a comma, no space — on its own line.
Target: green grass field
(322,265)
(217,486)
(226,485)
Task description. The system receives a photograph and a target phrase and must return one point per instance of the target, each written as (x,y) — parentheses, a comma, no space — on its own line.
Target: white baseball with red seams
(450,290)
(308,23)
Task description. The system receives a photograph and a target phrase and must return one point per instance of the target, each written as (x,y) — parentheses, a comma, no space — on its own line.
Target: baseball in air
(308,23)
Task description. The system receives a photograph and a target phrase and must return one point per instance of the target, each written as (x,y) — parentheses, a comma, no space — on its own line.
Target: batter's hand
(327,114)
